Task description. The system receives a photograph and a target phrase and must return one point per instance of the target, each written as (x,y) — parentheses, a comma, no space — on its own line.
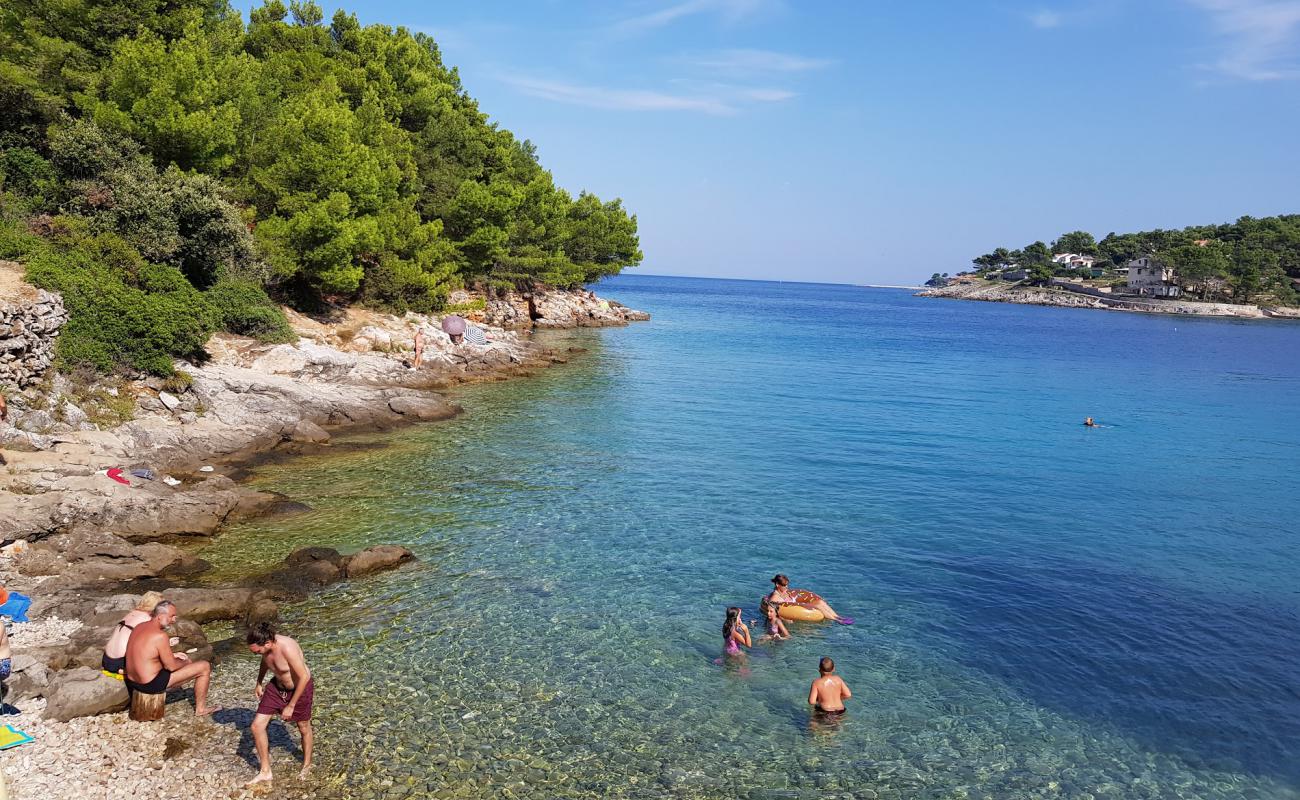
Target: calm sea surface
(1043,610)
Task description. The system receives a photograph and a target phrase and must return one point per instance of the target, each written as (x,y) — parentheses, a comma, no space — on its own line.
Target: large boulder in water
(423,408)
(376,559)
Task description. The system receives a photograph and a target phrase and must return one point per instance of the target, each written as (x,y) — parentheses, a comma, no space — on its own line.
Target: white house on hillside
(1074,260)
(1148,277)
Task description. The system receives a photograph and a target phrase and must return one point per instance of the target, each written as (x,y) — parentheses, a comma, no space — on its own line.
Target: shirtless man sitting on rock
(289,694)
(152,667)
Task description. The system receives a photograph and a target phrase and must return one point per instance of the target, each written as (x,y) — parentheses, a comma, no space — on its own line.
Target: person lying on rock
(289,694)
(460,331)
(114,659)
(152,667)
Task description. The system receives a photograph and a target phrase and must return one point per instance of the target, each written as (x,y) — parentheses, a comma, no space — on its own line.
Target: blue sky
(877,142)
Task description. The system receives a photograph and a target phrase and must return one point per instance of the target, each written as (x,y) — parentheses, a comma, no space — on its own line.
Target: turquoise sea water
(1043,610)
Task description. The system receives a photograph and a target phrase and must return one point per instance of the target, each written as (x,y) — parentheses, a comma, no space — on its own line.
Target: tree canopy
(349,157)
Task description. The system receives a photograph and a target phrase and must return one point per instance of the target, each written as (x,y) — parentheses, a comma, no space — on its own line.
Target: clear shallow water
(1043,610)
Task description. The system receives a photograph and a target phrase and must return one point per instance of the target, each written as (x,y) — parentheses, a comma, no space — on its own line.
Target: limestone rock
(376,559)
(206,605)
(191,638)
(283,359)
(423,408)
(261,610)
(170,401)
(72,416)
(87,557)
(309,555)
(309,432)
(83,692)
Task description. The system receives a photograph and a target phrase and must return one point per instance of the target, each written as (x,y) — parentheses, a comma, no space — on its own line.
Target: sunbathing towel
(12,737)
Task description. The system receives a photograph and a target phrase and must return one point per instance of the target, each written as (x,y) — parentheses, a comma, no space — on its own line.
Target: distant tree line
(286,155)
(1245,260)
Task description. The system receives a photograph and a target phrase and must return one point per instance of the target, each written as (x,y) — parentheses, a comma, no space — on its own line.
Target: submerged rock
(424,408)
(376,559)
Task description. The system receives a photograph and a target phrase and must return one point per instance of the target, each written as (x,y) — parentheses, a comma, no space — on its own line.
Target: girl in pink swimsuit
(734,633)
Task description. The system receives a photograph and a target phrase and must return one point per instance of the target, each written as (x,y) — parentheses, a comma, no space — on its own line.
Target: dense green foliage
(285,154)
(1245,260)
(122,309)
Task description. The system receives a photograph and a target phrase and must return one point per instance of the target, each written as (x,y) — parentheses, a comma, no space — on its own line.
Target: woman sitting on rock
(114,661)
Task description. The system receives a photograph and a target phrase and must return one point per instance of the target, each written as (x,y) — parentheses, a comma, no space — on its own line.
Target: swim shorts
(156,686)
(275,698)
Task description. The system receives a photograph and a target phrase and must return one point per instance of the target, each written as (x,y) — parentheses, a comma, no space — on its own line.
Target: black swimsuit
(116,666)
(156,686)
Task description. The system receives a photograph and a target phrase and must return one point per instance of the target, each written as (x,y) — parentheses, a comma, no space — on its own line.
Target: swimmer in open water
(734,633)
(828,691)
(1089,423)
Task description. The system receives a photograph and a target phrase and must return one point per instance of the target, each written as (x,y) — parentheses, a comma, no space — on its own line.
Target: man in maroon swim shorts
(289,694)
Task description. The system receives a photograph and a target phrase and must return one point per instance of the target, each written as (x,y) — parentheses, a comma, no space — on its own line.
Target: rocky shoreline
(997,292)
(91,516)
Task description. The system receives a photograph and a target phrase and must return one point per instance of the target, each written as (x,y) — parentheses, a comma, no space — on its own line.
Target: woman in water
(734,633)
(782,594)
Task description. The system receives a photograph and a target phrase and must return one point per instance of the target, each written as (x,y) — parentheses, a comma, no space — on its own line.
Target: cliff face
(30,320)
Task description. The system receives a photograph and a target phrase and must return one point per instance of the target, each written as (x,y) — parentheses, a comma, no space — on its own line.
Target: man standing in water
(829,691)
(289,694)
(152,667)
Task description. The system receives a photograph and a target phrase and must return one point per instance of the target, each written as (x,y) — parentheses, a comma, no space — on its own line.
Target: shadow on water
(1187,673)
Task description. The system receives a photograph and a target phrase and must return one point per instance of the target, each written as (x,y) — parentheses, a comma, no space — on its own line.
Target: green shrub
(23,170)
(16,243)
(179,382)
(244,308)
(474,304)
(400,286)
(122,310)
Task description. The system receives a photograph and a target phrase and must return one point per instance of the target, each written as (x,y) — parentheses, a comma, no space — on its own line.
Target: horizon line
(769,280)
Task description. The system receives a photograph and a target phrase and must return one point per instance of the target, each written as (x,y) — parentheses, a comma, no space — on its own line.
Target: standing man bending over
(152,667)
(289,694)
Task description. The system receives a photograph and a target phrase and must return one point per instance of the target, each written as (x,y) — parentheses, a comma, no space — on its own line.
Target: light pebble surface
(52,631)
(111,757)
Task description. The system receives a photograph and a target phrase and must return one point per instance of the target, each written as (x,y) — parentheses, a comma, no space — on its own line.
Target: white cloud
(617,99)
(712,98)
(730,10)
(768,95)
(1046,19)
(1261,37)
(741,62)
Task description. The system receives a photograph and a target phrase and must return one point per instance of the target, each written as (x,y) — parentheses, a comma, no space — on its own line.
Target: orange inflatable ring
(802,610)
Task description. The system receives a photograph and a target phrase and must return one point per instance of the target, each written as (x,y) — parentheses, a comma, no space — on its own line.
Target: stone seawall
(30,320)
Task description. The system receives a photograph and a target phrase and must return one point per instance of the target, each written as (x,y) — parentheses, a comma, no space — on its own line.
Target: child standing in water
(776,629)
(828,691)
(734,633)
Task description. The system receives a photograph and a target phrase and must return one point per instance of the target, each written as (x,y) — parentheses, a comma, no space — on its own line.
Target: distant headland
(1249,268)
